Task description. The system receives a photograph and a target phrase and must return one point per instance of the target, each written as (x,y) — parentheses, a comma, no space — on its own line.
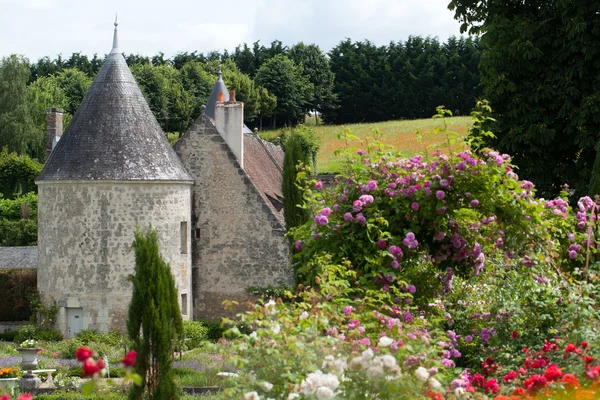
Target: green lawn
(402,135)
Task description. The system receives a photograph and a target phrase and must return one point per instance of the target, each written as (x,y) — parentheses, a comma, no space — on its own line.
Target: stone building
(219,223)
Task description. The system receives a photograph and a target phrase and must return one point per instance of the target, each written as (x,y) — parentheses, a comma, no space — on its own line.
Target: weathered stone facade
(238,240)
(86,230)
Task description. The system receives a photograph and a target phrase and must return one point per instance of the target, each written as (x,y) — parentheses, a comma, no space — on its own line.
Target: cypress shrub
(154,324)
(293,215)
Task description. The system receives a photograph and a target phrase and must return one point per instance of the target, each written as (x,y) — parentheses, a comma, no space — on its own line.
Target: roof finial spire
(115,48)
(220,74)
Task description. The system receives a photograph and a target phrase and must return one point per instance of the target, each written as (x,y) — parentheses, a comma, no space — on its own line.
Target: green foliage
(112,338)
(594,185)
(286,80)
(17,127)
(17,285)
(270,291)
(404,80)
(317,69)
(46,92)
(37,333)
(194,334)
(17,174)
(540,73)
(8,336)
(214,329)
(296,157)
(18,220)
(75,84)
(43,315)
(154,324)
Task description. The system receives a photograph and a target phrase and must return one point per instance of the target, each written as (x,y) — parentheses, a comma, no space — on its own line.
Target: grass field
(402,135)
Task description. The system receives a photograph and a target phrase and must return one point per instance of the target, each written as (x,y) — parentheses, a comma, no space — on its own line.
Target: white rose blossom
(276,329)
(422,374)
(251,396)
(385,341)
(324,393)
(435,384)
(266,386)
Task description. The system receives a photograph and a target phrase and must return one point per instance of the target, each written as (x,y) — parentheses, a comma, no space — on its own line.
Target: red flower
(83,353)
(129,359)
(570,348)
(515,334)
(534,383)
(25,396)
(90,367)
(512,375)
(525,350)
(100,365)
(570,380)
(492,386)
(548,346)
(553,372)
(435,396)
(541,363)
(589,359)
(489,366)
(5,397)
(519,391)
(584,344)
(478,380)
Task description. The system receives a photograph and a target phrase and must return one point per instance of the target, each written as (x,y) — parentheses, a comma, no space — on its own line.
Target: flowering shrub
(411,268)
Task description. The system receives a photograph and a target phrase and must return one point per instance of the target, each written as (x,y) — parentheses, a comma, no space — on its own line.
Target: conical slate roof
(214,95)
(114,135)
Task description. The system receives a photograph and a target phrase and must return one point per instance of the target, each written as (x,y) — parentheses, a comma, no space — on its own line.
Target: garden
(439,276)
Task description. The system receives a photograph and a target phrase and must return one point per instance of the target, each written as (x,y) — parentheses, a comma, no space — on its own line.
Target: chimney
(229,121)
(54,130)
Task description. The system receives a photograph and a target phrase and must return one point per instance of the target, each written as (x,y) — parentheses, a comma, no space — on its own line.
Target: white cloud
(48,27)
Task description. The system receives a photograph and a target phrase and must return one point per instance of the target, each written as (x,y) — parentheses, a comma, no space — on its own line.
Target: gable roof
(18,257)
(114,135)
(263,162)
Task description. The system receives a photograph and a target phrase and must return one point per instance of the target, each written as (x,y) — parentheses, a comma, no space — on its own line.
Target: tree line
(354,82)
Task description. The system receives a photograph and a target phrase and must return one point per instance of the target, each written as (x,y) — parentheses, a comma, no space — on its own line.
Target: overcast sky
(35,28)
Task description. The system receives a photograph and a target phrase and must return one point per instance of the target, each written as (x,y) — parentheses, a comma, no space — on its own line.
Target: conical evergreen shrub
(154,324)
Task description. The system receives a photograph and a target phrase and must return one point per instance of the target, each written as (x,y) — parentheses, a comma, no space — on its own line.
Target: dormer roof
(114,135)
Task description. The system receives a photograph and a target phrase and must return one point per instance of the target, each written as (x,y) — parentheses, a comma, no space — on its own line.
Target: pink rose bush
(439,277)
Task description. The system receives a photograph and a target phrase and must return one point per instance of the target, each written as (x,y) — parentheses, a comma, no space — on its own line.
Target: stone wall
(85,235)
(238,241)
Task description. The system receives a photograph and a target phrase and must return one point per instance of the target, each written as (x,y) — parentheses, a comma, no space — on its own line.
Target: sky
(36,28)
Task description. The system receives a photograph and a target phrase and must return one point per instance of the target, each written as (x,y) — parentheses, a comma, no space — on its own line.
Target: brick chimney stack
(229,121)
(54,130)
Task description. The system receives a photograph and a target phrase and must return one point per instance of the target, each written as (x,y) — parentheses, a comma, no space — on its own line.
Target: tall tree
(43,93)
(154,322)
(75,85)
(282,77)
(541,74)
(318,71)
(17,127)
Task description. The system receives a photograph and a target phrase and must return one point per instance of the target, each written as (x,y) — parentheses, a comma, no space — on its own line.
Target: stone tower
(112,170)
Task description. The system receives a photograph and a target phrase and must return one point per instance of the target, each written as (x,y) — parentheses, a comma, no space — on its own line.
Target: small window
(197,233)
(184,304)
(183,234)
